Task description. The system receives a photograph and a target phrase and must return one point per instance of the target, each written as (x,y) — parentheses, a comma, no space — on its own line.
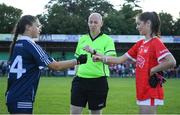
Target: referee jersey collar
(26,38)
(100,34)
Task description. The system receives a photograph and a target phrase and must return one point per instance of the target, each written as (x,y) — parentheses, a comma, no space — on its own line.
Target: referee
(90,84)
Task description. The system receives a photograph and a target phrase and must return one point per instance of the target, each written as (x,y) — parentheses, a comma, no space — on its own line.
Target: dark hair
(155,21)
(20,28)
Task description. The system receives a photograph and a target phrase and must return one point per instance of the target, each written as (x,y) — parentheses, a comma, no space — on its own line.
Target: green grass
(53,96)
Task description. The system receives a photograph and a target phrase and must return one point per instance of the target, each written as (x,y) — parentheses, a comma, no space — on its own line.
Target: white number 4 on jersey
(17,67)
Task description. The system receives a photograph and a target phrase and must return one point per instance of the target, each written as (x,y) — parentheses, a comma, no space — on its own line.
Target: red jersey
(147,54)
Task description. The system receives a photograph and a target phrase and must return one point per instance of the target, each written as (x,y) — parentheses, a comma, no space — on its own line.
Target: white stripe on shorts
(24,104)
(148,102)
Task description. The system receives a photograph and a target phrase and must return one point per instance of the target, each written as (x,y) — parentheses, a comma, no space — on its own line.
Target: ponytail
(157,24)
(13,42)
(20,29)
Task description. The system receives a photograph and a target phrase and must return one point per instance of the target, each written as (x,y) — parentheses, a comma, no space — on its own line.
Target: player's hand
(156,79)
(97,58)
(152,72)
(153,81)
(87,48)
(82,59)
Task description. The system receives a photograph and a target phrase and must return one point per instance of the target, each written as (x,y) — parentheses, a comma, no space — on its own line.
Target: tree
(166,23)
(122,22)
(114,23)
(70,16)
(8,18)
(133,3)
(177,27)
(129,15)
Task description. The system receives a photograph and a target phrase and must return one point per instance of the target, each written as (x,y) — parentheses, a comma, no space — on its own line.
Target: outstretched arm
(61,65)
(105,59)
(110,60)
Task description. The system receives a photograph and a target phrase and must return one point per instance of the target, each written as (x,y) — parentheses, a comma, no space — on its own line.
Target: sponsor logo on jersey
(140,61)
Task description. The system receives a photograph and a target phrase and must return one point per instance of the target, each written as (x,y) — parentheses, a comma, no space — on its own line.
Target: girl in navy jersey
(26,60)
(151,56)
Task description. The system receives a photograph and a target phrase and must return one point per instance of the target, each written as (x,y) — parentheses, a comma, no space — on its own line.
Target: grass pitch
(53,96)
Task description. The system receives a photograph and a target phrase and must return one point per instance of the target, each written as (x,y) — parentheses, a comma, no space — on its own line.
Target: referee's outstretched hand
(82,59)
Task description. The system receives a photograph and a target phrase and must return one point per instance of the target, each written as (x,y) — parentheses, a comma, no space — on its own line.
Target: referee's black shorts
(89,90)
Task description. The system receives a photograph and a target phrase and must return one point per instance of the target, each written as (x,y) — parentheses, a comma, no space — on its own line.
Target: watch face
(94,52)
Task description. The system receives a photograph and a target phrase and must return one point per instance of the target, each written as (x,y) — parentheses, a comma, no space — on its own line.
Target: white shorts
(150,102)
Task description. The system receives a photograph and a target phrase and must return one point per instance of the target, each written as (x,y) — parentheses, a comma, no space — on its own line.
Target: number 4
(17,69)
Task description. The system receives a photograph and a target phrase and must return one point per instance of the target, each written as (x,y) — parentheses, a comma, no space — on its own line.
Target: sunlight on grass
(53,96)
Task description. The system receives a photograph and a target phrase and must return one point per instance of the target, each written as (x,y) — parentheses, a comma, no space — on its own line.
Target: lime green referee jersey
(103,44)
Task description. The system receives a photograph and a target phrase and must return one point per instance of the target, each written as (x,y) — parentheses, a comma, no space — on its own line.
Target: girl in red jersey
(151,56)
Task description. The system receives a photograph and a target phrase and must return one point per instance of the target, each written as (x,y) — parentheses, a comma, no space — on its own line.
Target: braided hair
(20,29)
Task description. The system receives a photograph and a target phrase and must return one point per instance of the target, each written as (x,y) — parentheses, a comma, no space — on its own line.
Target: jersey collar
(101,33)
(26,38)
(146,41)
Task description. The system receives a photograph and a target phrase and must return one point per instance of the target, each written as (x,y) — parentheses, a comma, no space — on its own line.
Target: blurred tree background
(70,17)
(8,18)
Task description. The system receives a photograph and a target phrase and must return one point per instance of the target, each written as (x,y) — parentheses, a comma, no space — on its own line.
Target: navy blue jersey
(25,63)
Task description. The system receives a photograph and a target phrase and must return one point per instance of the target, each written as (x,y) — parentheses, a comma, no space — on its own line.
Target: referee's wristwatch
(94,52)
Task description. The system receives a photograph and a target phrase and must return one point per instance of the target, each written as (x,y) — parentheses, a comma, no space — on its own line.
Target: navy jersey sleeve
(41,57)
